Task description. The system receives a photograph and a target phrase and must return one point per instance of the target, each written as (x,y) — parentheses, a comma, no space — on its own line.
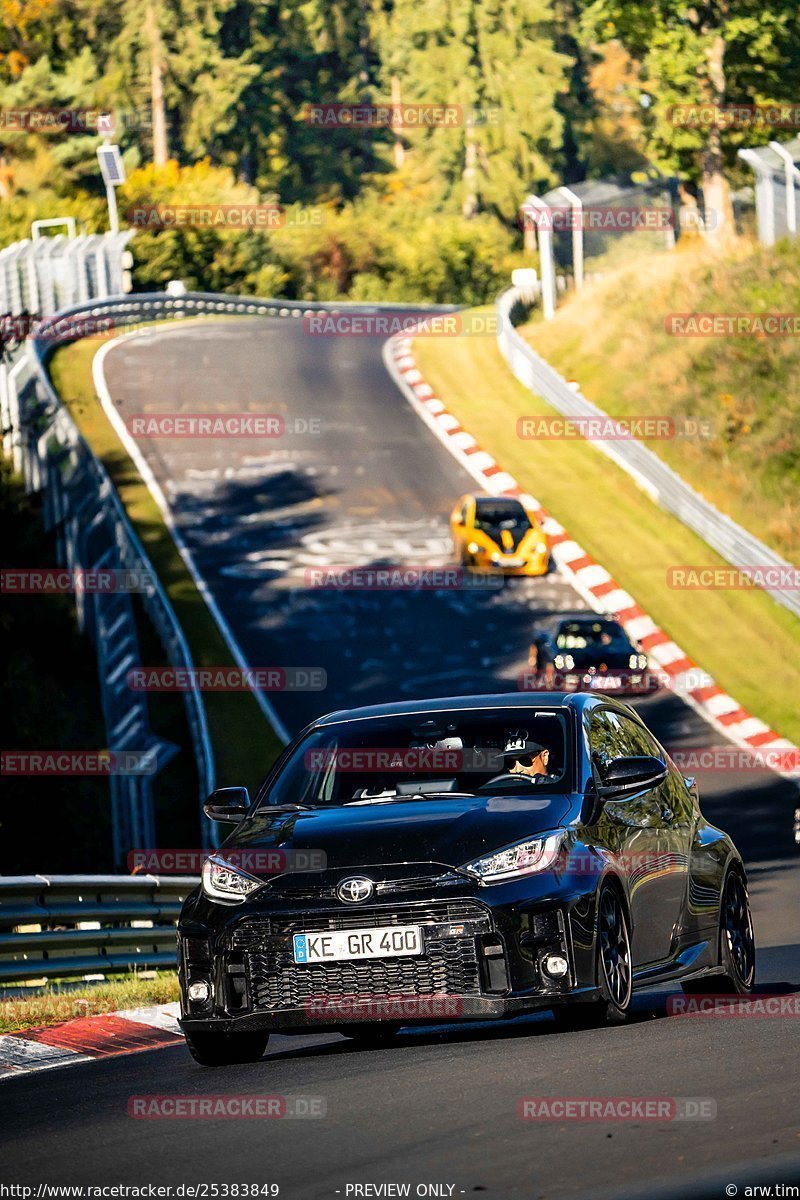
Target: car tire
(225,1049)
(737,948)
(613,970)
(372,1036)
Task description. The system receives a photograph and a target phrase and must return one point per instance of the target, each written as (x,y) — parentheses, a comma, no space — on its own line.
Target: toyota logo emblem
(355,890)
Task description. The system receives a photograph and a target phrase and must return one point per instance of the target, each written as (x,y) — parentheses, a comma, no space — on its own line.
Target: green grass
(244,743)
(55,1004)
(750,644)
(612,339)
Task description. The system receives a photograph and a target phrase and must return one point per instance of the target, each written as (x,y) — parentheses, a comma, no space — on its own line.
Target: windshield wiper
(410,796)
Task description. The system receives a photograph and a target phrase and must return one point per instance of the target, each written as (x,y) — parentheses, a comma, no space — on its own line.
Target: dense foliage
(212,100)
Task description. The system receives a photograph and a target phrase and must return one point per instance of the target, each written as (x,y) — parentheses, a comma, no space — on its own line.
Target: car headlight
(524,858)
(541,547)
(637,662)
(473,547)
(222,882)
(563,662)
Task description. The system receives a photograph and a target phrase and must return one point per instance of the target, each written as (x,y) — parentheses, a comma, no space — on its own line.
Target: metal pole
(546,264)
(576,205)
(765,201)
(113,216)
(792,176)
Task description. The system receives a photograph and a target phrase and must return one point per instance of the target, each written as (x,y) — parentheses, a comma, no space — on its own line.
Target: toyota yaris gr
(498,533)
(458,859)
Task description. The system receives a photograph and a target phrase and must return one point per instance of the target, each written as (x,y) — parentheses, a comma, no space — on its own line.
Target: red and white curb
(591,580)
(87,1038)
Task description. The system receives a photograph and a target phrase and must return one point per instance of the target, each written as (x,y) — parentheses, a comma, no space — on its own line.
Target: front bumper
(514,565)
(479,962)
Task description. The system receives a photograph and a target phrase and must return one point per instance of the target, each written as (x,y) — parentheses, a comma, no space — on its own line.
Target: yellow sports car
(497,533)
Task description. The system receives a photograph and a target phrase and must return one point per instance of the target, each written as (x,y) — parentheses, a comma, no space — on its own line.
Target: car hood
(451,832)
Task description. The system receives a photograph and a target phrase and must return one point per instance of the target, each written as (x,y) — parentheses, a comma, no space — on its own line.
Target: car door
(675,832)
(633,829)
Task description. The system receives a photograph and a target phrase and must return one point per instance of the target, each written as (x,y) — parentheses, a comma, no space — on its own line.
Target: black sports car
(583,651)
(461,858)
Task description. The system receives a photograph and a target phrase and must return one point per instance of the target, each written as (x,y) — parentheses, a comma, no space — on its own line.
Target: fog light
(199,991)
(556,966)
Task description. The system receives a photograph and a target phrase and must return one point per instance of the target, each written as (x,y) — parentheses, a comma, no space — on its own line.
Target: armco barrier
(59,926)
(731,541)
(93,530)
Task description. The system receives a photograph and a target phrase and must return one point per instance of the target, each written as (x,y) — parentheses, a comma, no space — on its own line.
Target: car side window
(612,736)
(608,738)
(640,739)
(679,800)
(464,509)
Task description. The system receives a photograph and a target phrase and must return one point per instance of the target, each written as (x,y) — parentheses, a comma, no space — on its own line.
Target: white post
(576,205)
(546,264)
(792,176)
(765,200)
(113,214)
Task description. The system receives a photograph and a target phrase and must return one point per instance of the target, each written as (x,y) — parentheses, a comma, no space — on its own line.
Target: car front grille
(448,967)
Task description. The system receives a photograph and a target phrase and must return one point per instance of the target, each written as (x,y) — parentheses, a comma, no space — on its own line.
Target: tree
(712,53)
(496,61)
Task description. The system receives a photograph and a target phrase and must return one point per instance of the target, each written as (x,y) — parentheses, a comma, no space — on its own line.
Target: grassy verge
(244,743)
(749,644)
(53,1004)
(613,338)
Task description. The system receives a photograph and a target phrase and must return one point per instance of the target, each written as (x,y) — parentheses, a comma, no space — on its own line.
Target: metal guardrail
(82,506)
(60,926)
(777,189)
(93,532)
(731,541)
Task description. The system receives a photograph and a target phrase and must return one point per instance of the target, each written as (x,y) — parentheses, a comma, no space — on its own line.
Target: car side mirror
(625,776)
(227,804)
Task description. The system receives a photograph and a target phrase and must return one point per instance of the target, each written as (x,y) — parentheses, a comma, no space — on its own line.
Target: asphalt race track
(374,486)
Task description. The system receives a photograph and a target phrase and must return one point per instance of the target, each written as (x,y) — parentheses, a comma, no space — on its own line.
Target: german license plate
(357,943)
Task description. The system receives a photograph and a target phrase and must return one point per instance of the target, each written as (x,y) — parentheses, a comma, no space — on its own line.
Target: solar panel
(111,165)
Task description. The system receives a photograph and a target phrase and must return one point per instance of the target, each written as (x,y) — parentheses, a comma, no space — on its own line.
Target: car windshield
(583,635)
(493,515)
(426,756)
